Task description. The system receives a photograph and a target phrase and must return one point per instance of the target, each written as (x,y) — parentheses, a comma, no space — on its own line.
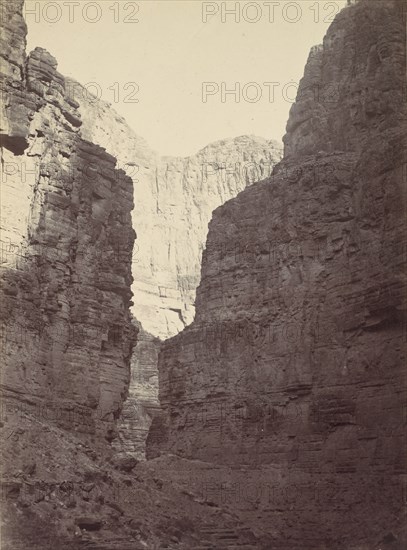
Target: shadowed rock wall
(295,363)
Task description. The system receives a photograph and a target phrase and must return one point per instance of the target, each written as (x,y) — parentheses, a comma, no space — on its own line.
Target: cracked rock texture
(174,199)
(295,363)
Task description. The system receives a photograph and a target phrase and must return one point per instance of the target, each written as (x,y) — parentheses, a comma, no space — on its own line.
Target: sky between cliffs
(185,73)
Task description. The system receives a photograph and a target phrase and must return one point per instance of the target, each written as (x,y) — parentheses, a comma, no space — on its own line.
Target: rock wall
(171,238)
(142,403)
(66,245)
(175,224)
(295,364)
(174,199)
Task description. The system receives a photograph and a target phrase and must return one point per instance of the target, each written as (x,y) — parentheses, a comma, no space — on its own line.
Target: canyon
(67,331)
(173,202)
(279,337)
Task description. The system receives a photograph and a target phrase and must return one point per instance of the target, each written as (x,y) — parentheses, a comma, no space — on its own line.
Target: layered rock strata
(66,244)
(168,254)
(174,199)
(142,403)
(295,363)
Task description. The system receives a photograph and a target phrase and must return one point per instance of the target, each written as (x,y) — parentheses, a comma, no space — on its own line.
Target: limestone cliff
(174,199)
(294,365)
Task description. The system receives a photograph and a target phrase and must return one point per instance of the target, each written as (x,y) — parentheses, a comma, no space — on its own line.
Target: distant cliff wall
(296,358)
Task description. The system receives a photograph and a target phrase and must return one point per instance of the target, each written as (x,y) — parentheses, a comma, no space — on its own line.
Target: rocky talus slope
(292,376)
(174,200)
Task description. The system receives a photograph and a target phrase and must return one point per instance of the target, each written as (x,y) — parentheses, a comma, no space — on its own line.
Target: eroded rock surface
(174,199)
(294,365)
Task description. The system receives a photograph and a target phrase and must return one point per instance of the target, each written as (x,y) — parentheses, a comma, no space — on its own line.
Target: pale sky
(165,53)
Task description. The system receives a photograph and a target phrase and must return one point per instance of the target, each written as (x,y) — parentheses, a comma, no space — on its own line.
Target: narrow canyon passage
(206,352)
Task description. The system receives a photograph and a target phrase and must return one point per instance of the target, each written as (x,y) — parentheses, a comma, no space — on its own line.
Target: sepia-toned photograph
(203,275)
